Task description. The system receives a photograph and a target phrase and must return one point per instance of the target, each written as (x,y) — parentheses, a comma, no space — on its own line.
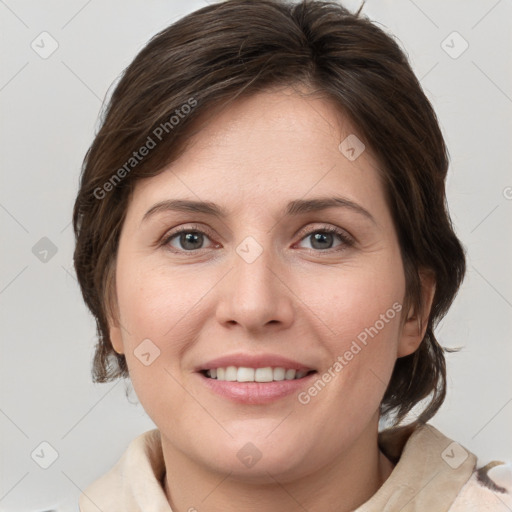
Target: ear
(415,325)
(116,338)
(114,329)
(112,313)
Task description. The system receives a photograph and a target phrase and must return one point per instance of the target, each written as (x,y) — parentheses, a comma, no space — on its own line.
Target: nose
(256,293)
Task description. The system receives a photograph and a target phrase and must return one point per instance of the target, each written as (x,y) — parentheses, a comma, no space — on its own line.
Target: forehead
(280,118)
(274,145)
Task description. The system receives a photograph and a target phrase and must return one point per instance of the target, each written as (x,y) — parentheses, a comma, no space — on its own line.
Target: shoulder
(434,472)
(488,490)
(133,483)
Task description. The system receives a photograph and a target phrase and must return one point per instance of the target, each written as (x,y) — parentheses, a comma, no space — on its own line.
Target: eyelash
(346,240)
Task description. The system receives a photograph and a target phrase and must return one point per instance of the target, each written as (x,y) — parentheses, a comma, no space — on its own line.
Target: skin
(298,299)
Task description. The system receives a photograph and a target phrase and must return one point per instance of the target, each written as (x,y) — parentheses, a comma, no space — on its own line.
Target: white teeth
(264,374)
(244,374)
(290,374)
(279,373)
(230,373)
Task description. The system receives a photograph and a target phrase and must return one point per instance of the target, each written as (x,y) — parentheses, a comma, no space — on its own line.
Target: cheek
(153,300)
(154,310)
(353,299)
(360,311)
(161,313)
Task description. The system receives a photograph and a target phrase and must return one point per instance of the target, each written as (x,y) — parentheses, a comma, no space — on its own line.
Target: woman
(262,237)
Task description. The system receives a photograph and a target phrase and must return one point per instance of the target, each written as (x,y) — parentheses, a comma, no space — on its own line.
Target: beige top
(432,474)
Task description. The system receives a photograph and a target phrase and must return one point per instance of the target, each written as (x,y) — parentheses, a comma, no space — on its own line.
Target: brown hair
(235,48)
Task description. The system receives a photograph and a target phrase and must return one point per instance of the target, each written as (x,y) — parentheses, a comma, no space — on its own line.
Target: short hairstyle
(237,48)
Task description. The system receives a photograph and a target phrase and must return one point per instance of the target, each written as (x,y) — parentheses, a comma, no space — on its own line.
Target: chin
(262,459)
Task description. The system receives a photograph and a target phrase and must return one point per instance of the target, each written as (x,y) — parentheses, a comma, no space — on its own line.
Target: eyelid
(342,233)
(185,228)
(347,239)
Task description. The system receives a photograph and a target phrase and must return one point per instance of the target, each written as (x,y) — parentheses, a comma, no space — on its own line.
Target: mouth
(256,375)
(255,386)
(251,378)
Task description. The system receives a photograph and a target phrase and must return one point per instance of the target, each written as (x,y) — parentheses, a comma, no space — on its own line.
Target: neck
(349,481)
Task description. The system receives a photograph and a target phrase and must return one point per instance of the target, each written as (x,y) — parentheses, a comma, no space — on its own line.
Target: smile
(265,374)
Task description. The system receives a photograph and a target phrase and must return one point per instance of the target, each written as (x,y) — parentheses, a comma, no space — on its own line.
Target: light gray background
(49,114)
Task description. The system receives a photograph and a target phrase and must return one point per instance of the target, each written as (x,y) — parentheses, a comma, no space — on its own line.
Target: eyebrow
(293,208)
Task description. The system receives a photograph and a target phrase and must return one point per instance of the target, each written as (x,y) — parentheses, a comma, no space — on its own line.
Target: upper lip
(254,361)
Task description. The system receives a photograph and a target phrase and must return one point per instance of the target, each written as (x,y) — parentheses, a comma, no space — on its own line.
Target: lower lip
(256,392)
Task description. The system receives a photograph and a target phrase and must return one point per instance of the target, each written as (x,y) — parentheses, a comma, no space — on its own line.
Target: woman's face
(263,285)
